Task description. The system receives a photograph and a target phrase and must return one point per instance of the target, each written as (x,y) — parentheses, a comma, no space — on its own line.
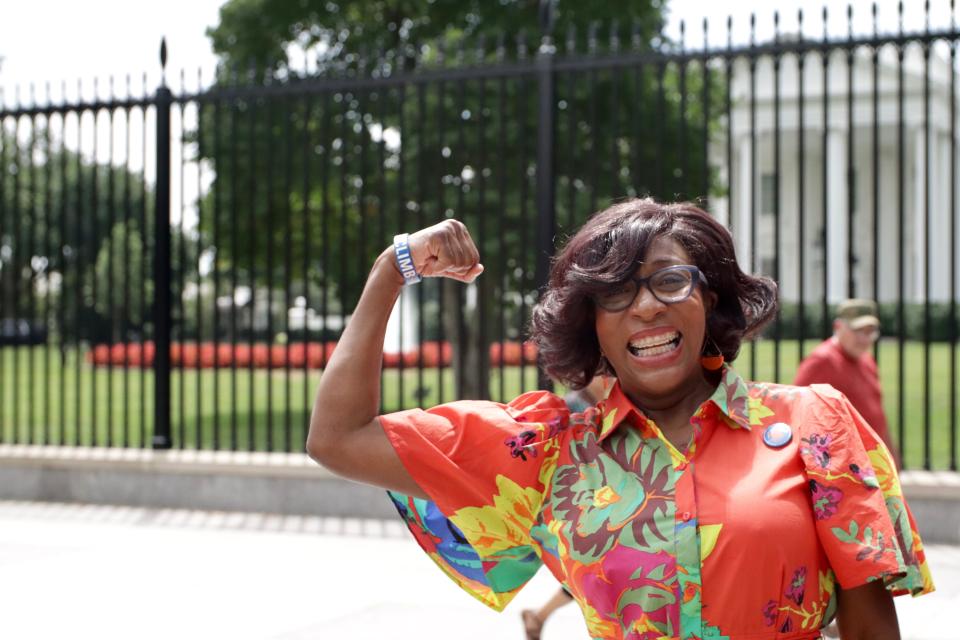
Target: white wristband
(401,250)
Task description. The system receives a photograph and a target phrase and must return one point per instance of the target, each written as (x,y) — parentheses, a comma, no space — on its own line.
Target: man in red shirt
(845,362)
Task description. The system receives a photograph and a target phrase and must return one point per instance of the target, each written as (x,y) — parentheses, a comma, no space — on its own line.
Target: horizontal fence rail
(176,266)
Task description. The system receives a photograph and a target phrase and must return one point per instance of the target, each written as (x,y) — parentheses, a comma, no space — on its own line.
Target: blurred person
(690,503)
(845,361)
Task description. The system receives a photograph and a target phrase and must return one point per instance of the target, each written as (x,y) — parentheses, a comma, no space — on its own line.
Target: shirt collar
(730,398)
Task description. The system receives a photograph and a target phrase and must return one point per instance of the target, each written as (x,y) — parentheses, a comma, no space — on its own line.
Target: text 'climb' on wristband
(401,250)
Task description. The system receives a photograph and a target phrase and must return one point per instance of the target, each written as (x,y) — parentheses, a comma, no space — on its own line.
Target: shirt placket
(687,537)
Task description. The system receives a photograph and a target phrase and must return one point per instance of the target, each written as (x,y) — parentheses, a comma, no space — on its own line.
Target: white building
(833,149)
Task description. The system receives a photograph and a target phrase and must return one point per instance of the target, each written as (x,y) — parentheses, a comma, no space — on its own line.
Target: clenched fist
(445,250)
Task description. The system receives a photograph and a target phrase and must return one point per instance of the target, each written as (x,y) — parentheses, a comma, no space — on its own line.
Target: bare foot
(532,624)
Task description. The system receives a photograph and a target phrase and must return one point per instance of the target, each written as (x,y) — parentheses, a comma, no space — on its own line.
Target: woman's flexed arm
(345,435)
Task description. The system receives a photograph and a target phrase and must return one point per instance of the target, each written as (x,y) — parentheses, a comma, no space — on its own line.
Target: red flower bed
(315,355)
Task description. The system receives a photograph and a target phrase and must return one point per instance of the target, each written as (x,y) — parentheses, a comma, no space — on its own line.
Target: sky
(54,41)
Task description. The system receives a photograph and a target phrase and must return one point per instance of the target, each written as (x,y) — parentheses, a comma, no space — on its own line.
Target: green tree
(56,212)
(322,174)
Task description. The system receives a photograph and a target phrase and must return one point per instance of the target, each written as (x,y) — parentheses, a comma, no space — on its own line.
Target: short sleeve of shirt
(486,470)
(862,519)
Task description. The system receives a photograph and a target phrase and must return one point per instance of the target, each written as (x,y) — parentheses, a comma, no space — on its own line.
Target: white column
(837,232)
(402,327)
(916,292)
(744,198)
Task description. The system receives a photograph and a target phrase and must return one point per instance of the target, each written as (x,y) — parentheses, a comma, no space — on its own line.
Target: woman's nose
(645,304)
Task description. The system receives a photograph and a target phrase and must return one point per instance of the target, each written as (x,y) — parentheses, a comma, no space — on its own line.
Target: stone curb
(292,484)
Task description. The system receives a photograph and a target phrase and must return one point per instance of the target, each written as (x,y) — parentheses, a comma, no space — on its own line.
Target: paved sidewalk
(78,572)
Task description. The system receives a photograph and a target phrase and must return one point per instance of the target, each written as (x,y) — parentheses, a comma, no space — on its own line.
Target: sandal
(532,624)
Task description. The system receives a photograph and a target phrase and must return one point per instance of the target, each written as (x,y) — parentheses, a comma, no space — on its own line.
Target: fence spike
(614,36)
(753,29)
(706,27)
(501,52)
(825,30)
(592,37)
(900,16)
(163,60)
(635,40)
(729,32)
(926,15)
(522,44)
(776,26)
(850,21)
(683,33)
(800,22)
(873,12)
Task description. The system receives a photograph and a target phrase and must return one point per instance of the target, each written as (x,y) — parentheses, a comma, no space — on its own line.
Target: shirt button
(686,515)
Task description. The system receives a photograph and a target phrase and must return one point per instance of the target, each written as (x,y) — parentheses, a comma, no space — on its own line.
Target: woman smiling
(689,503)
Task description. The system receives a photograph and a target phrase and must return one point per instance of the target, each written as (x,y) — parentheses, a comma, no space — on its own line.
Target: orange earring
(711,363)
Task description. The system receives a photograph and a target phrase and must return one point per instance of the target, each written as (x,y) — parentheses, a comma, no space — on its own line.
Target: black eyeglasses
(669,285)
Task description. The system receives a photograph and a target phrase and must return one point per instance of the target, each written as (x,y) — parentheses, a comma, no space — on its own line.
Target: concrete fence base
(291,484)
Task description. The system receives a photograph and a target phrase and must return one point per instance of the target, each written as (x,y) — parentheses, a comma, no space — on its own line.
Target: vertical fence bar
(94,220)
(442,213)
(901,254)
(290,111)
(754,261)
(875,170)
(546,179)
(523,281)
(728,109)
(161,267)
(824,182)
(111,250)
(4,266)
(234,213)
(31,233)
(401,210)
(269,237)
(32,217)
(181,276)
(483,341)
(705,141)
(503,266)
(777,237)
(850,174)
(679,191)
(253,119)
(79,298)
(953,243)
(125,311)
(145,274)
(926,243)
(198,303)
(326,135)
(48,265)
(308,151)
(382,189)
(422,146)
(67,256)
(801,197)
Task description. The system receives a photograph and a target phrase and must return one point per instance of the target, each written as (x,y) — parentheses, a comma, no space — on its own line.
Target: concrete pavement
(78,572)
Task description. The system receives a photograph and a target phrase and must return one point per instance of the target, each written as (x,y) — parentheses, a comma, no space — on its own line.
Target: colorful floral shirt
(738,536)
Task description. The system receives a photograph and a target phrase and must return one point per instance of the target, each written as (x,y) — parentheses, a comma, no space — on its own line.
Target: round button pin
(778,434)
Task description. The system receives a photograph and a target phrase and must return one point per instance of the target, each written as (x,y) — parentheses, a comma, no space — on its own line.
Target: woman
(689,503)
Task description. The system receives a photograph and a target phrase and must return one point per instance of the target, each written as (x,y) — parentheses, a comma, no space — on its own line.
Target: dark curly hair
(608,250)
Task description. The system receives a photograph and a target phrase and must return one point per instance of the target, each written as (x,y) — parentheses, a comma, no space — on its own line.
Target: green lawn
(44,400)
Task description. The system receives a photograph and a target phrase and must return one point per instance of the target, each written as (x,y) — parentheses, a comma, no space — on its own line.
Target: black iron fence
(176,266)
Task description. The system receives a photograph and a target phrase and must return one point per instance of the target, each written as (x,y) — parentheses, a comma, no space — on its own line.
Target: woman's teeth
(654,346)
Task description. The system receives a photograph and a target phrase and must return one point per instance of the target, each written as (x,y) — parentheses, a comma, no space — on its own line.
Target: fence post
(546,137)
(161,264)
